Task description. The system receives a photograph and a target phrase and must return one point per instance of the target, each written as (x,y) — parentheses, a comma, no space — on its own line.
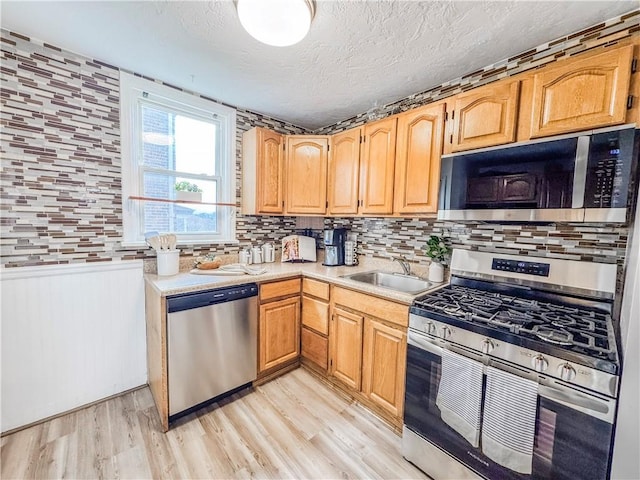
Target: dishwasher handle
(188,301)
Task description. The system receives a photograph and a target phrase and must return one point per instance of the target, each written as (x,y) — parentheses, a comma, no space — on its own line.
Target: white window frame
(134,91)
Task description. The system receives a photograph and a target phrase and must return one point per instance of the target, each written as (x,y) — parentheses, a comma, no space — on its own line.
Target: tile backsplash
(381,237)
(61,168)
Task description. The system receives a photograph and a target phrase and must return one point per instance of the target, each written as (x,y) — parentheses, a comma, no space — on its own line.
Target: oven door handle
(424,343)
(589,404)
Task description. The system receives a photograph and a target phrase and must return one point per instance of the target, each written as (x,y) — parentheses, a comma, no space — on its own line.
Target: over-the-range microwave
(582,177)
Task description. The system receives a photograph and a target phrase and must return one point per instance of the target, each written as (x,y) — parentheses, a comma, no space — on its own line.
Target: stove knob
(446,332)
(487,346)
(539,363)
(567,372)
(430,328)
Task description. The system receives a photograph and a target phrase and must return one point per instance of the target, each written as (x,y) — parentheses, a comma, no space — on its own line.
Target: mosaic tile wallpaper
(61,167)
(61,170)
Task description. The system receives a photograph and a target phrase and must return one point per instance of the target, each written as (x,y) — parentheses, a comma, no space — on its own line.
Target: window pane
(195,146)
(181,217)
(169,187)
(176,142)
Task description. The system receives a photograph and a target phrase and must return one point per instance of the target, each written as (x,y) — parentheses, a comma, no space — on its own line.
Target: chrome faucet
(406,266)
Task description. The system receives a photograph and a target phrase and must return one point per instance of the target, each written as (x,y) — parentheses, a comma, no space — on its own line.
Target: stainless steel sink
(393,281)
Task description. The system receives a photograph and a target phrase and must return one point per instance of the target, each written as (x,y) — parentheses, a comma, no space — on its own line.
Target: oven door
(573,429)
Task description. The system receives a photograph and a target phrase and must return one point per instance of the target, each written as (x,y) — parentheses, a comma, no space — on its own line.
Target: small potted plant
(438,251)
(187,191)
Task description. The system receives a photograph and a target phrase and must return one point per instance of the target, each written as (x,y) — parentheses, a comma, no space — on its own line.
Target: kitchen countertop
(185,282)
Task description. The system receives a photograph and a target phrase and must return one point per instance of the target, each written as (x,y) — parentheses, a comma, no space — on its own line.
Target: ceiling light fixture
(279,23)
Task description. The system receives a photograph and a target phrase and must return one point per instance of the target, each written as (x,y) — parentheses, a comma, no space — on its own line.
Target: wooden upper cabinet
(306,166)
(485,116)
(344,172)
(345,344)
(262,172)
(582,93)
(378,165)
(418,152)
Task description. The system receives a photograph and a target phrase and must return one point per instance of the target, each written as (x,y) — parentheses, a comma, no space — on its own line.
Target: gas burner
(557,337)
(563,320)
(511,319)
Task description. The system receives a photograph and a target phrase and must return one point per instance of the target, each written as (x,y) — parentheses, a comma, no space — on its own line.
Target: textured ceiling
(357,53)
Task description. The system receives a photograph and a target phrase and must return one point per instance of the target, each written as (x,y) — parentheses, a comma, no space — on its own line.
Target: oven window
(570,444)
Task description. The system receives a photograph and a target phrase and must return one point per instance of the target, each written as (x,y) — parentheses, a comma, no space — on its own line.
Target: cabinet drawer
(315,348)
(373,306)
(279,289)
(315,288)
(315,314)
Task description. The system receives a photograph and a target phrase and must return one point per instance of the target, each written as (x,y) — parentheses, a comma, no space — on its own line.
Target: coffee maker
(334,246)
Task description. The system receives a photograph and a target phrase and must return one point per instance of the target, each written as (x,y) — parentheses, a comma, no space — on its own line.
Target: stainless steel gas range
(512,369)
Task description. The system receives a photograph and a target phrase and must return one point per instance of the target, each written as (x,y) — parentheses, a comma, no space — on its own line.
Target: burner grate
(577,329)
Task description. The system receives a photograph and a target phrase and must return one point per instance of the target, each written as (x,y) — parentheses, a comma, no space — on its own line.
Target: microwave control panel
(611,156)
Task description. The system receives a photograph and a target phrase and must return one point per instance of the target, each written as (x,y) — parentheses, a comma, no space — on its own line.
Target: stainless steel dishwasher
(212,345)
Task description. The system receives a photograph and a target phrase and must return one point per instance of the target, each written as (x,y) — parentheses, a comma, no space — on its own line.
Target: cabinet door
(269,175)
(279,332)
(314,348)
(315,314)
(483,190)
(519,188)
(345,339)
(378,161)
(344,172)
(383,371)
(307,174)
(581,94)
(417,175)
(485,116)
(262,172)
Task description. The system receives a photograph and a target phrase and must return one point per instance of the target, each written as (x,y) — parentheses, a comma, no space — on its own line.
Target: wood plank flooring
(292,427)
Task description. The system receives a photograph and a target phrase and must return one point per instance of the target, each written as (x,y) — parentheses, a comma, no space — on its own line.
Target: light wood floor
(291,427)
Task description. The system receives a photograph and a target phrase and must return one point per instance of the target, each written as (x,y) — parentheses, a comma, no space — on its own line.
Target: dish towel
(509,422)
(460,395)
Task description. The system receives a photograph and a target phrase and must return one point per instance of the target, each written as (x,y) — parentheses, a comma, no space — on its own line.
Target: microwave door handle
(580,172)
(443,191)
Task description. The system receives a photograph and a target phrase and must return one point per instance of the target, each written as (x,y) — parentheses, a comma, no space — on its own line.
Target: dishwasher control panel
(187,301)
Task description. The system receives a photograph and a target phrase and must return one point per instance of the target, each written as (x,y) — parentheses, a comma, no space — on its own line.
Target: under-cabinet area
(350,338)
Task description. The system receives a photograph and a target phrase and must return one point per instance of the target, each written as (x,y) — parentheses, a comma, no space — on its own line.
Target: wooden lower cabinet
(315,324)
(346,347)
(384,365)
(315,348)
(368,351)
(279,333)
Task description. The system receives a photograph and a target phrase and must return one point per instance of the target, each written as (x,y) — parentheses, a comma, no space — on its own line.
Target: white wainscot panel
(71,335)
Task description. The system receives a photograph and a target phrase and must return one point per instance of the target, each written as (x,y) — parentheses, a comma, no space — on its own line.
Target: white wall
(71,335)
(626,449)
